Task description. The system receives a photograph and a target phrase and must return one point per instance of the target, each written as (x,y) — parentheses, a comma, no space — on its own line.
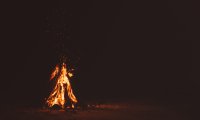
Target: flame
(57,96)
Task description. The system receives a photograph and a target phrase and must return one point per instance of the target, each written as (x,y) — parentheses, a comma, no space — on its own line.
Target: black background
(119,49)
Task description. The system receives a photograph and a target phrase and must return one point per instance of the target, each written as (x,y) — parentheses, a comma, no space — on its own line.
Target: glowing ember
(62,87)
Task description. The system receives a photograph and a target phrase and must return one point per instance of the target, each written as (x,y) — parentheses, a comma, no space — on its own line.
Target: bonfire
(62,92)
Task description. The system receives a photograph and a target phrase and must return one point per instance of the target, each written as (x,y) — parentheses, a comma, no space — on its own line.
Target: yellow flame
(57,96)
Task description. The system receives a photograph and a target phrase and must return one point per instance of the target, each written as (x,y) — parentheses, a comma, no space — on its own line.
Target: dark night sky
(130,50)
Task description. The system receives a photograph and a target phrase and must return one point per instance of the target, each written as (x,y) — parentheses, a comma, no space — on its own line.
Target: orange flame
(57,96)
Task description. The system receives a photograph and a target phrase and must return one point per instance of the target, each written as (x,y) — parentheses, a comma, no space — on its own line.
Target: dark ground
(132,110)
